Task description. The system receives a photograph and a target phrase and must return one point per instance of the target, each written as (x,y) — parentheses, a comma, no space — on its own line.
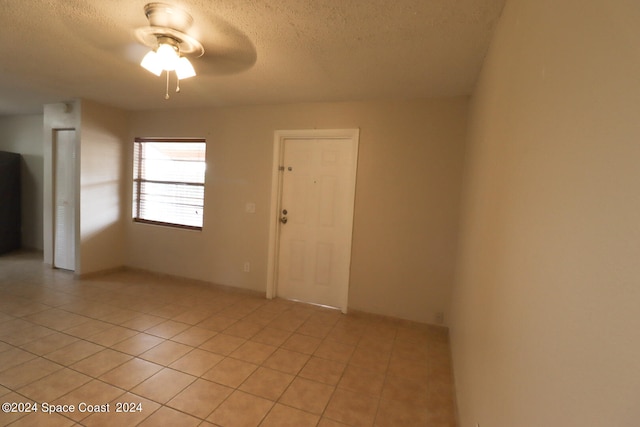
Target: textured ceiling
(256,51)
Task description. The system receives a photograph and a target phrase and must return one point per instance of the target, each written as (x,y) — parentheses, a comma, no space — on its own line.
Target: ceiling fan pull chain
(178,85)
(166,93)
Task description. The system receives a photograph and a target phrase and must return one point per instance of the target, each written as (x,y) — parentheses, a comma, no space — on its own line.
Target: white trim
(276,184)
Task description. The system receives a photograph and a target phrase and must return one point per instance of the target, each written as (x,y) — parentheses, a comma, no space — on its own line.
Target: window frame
(138,181)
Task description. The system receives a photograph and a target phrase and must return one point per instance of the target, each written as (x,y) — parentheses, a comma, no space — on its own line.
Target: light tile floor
(158,351)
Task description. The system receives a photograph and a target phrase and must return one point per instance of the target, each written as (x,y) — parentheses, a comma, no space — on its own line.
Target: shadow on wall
(101,227)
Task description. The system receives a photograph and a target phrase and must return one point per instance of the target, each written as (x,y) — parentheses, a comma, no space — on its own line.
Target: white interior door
(316,219)
(64,150)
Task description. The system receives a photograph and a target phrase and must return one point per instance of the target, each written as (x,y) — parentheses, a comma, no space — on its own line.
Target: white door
(316,219)
(64,150)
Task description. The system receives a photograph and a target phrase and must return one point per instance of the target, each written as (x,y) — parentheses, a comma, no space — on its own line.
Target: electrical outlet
(247,267)
(440,318)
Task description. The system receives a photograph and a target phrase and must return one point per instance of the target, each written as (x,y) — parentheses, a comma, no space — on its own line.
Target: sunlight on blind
(169,181)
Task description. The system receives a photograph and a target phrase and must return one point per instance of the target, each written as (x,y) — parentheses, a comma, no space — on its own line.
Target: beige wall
(101,134)
(408,183)
(546,305)
(23,134)
(102,188)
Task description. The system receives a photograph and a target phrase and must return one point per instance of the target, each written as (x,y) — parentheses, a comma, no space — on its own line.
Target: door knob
(283,220)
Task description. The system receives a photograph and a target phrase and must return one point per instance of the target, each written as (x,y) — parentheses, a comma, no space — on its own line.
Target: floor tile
(25,309)
(410,390)
(118,316)
(54,385)
(57,319)
(223,344)
(101,362)
(95,392)
(410,350)
(287,321)
(142,322)
(271,336)
(241,410)
(194,336)
(49,343)
(327,422)
(267,383)
(74,352)
(237,311)
(285,416)
(138,344)
(14,325)
(167,417)
(14,357)
(28,372)
(4,346)
(396,413)
(197,362)
(261,316)
(8,418)
(193,317)
(200,398)
(168,329)
(323,370)
(111,336)
(335,351)
(244,329)
(253,352)
(88,328)
(371,342)
(408,368)
(370,359)
(230,372)
(130,373)
(135,410)
(310,396)
(361,380)
(26,335)
(184,352)
(166,353)
(314,328)
(355,409)
(344,336)
(287,361)
(40,419)
(164,385)
(168,311)
(217,323)
(302,343)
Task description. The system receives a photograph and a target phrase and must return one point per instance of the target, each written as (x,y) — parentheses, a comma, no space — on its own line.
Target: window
(168,181)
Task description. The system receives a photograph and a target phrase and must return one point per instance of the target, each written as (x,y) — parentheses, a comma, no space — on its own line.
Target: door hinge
(281,168)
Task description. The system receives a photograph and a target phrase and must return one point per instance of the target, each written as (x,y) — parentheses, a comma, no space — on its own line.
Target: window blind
(168,181)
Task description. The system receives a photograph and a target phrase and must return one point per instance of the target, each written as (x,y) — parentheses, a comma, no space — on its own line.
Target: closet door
(64,253)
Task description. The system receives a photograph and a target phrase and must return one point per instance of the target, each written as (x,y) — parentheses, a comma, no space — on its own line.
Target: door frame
(352,135)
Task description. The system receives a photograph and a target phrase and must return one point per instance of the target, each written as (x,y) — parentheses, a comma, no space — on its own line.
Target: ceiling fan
(170,44)
(194,31)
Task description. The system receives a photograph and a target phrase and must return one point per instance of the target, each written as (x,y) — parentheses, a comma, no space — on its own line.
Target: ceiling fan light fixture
(151,63)
(184,69)
(169,42)
(168,56)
